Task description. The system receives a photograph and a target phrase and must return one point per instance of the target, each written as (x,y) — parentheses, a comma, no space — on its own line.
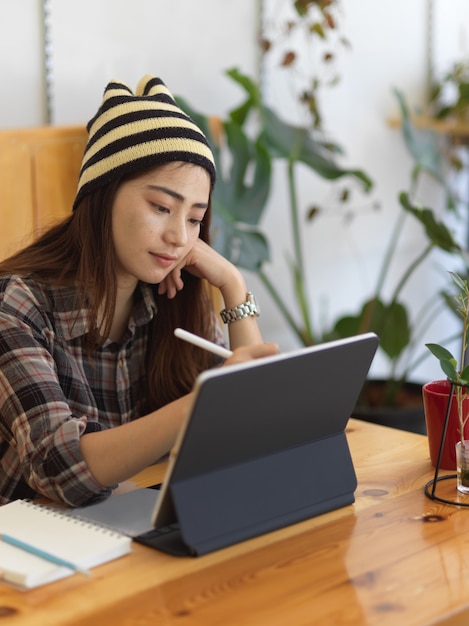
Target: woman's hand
(204,262)
(248,353)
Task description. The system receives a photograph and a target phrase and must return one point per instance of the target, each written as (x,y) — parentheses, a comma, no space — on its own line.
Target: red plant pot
(435,401)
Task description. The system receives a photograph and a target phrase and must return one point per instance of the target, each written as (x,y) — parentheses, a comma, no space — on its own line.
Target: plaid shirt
(51,393)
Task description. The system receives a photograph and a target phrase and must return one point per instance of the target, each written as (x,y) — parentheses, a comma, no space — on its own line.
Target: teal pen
(43,554)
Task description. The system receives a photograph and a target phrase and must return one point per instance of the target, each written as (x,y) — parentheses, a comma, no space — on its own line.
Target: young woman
(94,386)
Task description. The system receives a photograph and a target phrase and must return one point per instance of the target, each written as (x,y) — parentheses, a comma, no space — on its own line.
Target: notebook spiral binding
(71,515)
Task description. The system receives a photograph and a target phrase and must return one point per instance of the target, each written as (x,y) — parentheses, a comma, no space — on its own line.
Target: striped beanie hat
(132,132)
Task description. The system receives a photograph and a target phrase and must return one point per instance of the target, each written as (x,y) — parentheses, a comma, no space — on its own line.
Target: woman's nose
(176,232)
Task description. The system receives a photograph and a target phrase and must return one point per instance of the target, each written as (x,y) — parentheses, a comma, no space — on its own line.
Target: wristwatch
(246,309)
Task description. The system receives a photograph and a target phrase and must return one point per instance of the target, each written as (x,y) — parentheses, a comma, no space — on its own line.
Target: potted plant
(451,395)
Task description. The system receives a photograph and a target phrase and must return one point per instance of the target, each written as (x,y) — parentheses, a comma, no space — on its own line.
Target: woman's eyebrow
(177,196)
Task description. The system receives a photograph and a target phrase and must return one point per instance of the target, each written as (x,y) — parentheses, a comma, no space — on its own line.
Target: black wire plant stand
(430,487)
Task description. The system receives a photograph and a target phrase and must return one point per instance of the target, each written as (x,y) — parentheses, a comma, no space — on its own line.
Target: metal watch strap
(246,309)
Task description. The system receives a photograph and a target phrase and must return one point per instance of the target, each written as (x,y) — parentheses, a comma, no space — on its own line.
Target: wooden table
(394,557)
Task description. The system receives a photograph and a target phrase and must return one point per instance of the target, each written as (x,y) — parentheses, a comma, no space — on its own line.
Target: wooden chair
(39,170)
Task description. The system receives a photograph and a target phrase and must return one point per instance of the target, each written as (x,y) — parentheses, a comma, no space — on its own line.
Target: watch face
(252,299)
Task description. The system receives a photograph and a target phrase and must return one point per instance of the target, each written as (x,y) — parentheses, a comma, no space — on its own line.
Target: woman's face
(156,220)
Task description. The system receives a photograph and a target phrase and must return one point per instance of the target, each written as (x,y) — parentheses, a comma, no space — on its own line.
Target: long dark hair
(79,252)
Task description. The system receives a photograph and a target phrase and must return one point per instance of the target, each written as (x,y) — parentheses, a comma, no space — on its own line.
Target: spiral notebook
(82,543)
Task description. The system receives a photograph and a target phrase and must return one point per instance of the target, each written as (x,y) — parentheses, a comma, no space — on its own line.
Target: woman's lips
(163,259)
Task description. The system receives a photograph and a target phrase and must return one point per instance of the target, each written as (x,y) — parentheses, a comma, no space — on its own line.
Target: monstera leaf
(437,232)
(288,142)
(244,169)
(240,193)
(298,144)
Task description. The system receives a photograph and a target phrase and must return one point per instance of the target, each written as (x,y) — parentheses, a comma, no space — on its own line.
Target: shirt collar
(72,322)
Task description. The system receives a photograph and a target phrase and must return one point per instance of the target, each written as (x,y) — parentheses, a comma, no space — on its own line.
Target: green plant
(398,329)
(250,140)
(252,137)
(243,188)
(449,101)
(239,203)
(456,371)
(313,27)
(449,97)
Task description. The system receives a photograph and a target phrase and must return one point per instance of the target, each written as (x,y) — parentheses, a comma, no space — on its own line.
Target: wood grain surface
(394,557)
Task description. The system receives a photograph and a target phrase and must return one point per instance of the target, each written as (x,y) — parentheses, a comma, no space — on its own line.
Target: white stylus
(202,343)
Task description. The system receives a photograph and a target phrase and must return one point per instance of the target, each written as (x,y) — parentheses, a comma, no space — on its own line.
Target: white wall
(189,44)
(21,74)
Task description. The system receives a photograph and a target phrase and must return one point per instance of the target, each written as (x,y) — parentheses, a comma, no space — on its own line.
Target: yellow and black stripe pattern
(132,132)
